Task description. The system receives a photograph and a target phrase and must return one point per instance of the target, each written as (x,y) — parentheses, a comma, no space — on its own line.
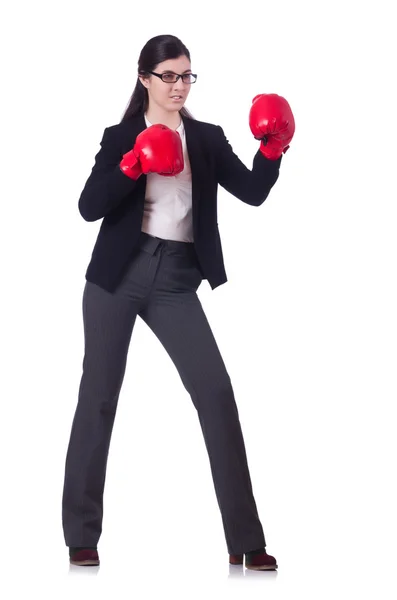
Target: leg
(108,325)
(179,322)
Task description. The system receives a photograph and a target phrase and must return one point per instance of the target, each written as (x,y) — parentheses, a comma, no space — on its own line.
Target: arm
(107,185)
(252,187)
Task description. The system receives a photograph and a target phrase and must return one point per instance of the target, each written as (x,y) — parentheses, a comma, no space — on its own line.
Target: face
(160,92)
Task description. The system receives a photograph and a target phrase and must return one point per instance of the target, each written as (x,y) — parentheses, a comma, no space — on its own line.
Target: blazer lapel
(134,126)
(196,161)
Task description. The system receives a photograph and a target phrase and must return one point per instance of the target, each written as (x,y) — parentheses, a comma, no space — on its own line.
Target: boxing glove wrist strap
(130,165)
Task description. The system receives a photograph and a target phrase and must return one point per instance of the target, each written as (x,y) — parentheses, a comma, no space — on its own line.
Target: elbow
(85,212)
(259,199)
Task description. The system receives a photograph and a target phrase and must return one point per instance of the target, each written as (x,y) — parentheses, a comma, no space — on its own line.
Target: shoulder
(120,129)
(204,125)
(124,133)
(210,133)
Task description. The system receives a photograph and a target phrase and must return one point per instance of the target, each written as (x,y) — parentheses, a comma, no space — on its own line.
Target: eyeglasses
(173,77)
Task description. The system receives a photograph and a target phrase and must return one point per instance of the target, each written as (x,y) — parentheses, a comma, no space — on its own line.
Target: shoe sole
(256,568)
(262,567)
(85,563)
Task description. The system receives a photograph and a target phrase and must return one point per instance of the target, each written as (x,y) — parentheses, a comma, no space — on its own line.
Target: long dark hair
(155,51)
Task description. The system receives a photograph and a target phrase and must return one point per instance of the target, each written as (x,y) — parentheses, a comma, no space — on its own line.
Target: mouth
(176,97)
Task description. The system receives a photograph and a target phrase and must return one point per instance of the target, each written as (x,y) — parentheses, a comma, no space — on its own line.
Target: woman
(154,183)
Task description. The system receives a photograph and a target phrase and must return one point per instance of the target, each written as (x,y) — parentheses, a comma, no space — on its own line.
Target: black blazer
(119,200)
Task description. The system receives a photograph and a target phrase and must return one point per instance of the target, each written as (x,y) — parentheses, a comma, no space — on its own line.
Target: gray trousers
(160,286)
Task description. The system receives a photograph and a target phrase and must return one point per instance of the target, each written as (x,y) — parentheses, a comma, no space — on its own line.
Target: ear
(144,80)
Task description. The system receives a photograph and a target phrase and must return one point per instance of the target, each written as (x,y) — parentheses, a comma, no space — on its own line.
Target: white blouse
(168,201)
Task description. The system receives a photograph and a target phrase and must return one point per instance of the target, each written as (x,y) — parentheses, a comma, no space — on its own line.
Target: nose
(178,90)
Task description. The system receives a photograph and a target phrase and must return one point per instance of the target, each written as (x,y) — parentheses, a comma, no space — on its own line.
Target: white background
(310,343)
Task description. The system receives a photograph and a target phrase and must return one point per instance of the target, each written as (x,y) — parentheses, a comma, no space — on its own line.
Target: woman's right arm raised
(107,184)
(157,149)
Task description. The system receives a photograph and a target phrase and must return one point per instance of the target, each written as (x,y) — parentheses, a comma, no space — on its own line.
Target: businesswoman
(154,183)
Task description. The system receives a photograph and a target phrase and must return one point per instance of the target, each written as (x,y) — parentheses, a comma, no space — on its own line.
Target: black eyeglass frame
(178,76)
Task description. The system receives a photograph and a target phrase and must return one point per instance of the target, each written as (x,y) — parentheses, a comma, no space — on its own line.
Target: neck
(156,115)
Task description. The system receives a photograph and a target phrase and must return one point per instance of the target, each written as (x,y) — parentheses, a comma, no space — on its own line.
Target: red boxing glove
(271,120)
(157,149)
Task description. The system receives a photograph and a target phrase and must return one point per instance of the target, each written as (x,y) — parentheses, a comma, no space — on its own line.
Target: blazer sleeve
(252,187)
(107,185)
